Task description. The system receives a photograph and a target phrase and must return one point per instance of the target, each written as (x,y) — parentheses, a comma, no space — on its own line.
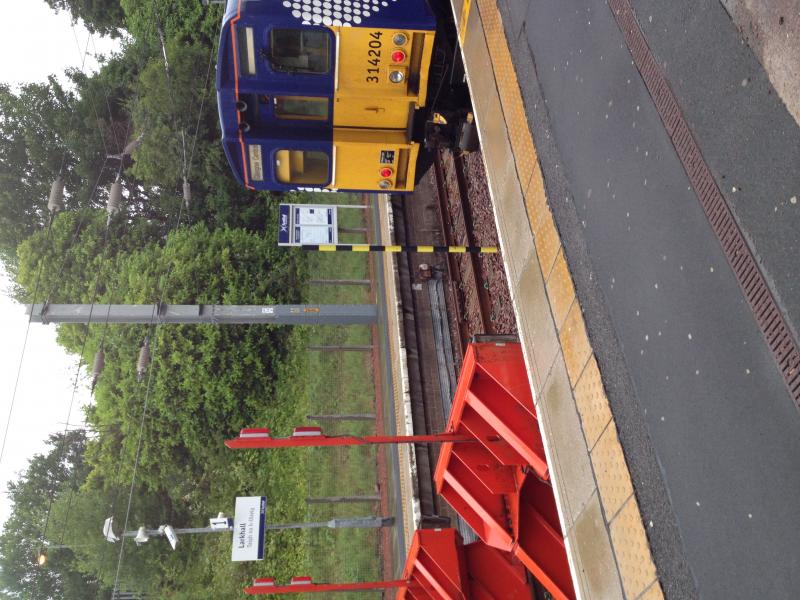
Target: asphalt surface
(708,428)
(744,130)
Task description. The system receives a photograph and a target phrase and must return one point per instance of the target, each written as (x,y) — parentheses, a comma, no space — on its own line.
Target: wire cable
(91,101)
(100,348)
(137,456)
(72,399)
(37,281)
(170,90)
(105,93)
(24,346)
(200,112)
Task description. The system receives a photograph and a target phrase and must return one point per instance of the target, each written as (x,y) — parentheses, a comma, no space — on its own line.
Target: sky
(48,373)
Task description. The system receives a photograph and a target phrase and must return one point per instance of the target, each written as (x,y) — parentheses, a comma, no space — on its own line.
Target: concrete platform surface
(669,428)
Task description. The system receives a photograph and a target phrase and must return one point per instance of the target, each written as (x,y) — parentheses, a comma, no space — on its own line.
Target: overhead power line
(161,296)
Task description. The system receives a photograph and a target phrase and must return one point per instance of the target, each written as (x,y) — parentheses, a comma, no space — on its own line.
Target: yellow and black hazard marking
(420,249)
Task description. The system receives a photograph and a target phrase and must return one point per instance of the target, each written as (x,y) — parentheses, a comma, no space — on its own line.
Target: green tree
(59,472)
(100,16)
(208,382)
(47,131)
(167,111)
(33,132)
(187,21)
(78,255)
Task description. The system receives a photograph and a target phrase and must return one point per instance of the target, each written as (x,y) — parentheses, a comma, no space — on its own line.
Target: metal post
(267,586)
(352,417)
(364,348)
(248,440)
(216,314)
(184,531)
(356,523)
(342,499)
(361,282)
(351,523)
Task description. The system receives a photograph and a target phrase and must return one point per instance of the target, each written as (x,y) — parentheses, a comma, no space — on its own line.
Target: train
(338,95)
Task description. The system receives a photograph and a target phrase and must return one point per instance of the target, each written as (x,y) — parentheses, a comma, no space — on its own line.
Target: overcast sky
(34,43)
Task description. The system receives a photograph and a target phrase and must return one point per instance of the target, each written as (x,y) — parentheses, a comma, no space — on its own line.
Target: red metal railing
(312,437)
(438,567)
(492,470)
(500,486)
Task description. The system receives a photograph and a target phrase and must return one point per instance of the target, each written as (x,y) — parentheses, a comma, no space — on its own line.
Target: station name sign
(307,224)
(249,523)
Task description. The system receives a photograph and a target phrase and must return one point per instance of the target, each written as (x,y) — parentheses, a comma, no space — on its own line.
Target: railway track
(478,285)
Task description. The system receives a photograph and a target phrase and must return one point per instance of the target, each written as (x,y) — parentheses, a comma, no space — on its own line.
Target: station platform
(644,175)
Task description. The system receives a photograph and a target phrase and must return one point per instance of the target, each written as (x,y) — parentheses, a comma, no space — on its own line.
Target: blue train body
(248,83)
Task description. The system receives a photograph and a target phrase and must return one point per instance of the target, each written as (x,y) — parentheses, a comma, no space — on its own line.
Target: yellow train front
(326,95)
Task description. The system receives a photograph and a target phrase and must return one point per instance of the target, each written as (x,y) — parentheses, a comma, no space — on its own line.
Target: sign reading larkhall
(249,524)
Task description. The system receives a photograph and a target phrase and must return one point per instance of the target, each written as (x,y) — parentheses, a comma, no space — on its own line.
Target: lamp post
(41,558)
(222,524)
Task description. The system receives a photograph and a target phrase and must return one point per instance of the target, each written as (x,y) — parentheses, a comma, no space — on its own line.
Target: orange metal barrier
(501,486)
(492,470)
(439,567)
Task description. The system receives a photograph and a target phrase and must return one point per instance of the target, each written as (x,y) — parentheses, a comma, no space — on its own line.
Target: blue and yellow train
(331,94)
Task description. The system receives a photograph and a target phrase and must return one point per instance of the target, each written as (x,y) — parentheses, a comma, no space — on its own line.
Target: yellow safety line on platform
(462,23)
(624,521)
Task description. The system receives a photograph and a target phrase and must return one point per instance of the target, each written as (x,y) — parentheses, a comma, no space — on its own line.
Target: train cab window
(246,47)
(301,167)
(301,107)
(300,50)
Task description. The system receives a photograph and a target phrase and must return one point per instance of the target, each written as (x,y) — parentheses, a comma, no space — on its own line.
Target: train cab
(324,95)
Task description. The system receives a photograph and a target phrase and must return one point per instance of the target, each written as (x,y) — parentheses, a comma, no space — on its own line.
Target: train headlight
(398,56)
(396,77)
(384,184)
(399,39)
(386,172)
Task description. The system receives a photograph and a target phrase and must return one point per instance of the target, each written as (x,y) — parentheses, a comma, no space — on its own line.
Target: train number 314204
(374,57)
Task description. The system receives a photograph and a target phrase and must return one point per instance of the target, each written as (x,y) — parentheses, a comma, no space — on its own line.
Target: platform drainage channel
(768,316)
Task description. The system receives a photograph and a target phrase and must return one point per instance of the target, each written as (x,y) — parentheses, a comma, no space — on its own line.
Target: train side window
(301,167)
(300,50)
(301,107)
(246,47)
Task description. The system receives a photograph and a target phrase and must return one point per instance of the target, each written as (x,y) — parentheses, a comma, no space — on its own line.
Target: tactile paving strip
(630,541)
(773,326)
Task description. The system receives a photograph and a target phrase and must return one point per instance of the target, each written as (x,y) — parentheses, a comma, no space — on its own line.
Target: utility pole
(215,314)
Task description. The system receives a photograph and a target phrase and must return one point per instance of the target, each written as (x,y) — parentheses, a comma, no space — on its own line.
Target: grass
(310,382)
(342,383)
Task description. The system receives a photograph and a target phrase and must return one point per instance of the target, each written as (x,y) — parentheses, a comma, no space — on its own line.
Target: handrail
(336,66)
